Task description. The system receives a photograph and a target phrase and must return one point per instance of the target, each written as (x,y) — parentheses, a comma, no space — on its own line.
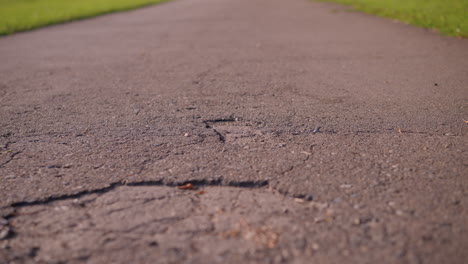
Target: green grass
(21,15)
(450,17)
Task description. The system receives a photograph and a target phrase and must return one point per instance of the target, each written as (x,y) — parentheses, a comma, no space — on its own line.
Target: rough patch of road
(209,225)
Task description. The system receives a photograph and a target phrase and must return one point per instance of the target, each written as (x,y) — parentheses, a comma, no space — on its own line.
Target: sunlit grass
(450,17)
(21,15)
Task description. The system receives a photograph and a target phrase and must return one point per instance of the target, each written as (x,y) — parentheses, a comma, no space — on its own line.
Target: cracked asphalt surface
(307,133)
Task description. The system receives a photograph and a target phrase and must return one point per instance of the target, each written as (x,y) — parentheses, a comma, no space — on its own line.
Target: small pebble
(299,200)
(4,233)
(356,221)
(319,219)
(319,206)
(315,246)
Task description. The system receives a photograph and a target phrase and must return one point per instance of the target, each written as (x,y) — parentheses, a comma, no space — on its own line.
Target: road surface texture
(103,120)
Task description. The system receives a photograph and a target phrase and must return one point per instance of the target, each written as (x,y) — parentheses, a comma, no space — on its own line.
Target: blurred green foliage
(450,17)
(21,15)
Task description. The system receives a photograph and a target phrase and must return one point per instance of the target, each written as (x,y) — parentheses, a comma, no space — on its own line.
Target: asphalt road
(308,134)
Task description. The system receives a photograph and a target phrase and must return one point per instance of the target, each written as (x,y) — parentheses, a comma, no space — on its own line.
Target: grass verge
(450,17)
(22,15)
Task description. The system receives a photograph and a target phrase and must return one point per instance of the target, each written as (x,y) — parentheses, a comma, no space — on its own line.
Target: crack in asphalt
(11,158)
(10,233)
(113,186)
(219,120)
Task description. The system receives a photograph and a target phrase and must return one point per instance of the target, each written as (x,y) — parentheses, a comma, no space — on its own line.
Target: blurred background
(449,17)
